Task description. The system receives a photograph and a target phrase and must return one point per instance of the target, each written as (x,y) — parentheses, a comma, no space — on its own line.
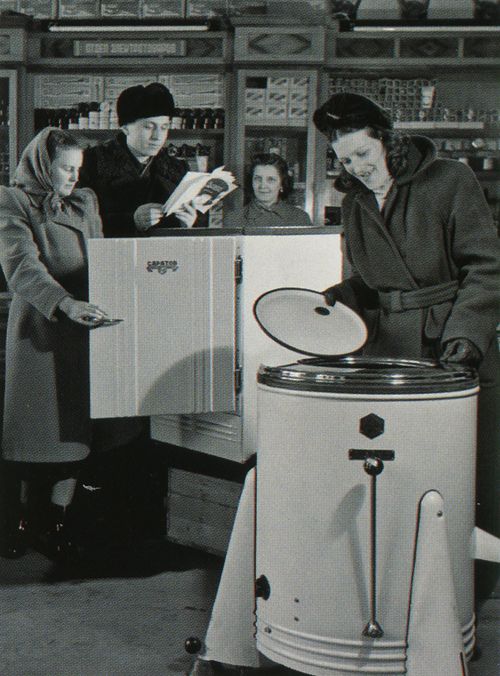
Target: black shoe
(14,545)
(60,545)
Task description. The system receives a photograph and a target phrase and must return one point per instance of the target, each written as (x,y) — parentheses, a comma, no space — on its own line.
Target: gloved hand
(461,351)
(147,215)
(332,295)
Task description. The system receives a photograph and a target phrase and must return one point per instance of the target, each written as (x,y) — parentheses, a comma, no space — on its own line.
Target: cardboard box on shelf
(83,9)
(276,103)
(255,104)
(120,8)
(161,8)
(39,9)
(201,8)
(9,5)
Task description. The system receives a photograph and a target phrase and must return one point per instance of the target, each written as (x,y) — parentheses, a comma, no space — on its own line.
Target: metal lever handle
(373,466)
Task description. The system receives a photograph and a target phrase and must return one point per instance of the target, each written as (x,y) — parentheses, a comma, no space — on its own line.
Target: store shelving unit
(461,63)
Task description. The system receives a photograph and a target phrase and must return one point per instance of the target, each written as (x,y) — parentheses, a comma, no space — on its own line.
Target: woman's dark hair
(396,151)
(271,160)
(59,139)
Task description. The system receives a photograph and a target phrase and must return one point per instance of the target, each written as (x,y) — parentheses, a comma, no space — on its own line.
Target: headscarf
(32,175)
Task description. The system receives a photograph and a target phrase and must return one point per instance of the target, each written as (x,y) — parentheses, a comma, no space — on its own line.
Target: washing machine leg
(485,546)
(435,643)
(230,635)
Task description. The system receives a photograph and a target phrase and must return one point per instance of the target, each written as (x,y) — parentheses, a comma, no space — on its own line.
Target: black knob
(192,645)
(262,587)
(373,466)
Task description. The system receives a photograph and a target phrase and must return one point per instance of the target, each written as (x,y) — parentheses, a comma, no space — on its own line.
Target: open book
(203,188)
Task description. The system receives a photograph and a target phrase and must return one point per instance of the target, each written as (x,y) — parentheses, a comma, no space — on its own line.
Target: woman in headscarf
(44,225)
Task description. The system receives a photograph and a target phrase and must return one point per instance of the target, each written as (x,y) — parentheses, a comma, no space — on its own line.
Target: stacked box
(298,98)
(58,90)
(255,104)
(161,8)
(120,8)
(9,5)
(78,9)
(40,9)
(200,90)
(201,510)
(405,99)
(276,98)
(246,7)
(115,84)
(202,8)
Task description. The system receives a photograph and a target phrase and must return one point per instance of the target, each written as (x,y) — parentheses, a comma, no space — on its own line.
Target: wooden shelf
(441,125)
(102,134)
(280,124)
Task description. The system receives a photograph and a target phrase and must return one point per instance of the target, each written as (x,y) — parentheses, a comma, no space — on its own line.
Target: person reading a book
(211,191)
(271,185)
(133,174)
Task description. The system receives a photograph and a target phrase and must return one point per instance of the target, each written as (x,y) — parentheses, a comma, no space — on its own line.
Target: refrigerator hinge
(238,269)
(238,377)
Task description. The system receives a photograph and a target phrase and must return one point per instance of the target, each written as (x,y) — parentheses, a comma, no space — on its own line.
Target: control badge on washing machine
(371,426)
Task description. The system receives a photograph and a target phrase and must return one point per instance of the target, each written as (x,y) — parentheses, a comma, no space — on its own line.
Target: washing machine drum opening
(358,375)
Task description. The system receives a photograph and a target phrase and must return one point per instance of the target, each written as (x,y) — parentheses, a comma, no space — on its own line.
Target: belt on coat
(399,301)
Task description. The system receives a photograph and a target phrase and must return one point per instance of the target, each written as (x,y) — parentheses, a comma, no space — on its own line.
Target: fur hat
(346,109)
(136,103)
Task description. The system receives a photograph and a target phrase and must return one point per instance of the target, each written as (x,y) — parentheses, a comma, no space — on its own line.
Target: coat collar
(368,204)
(69,215)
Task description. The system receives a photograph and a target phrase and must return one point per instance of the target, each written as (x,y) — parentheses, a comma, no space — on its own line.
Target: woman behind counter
(44,225)
(271,186)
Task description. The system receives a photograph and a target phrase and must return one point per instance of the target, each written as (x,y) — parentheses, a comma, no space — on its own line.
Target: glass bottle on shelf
(83,115)
(93,115)
(219,118)
(197,118)
(208,118)
(177,119)
(187,119)
(73,119)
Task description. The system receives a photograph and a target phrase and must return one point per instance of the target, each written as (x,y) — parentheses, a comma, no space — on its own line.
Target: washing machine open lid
(300,320)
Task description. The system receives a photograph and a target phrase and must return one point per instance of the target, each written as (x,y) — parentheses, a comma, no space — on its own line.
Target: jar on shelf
(73,118)
(83,115)
(219,118)
(93,115)
(187,119)
(208,118)
(176,122)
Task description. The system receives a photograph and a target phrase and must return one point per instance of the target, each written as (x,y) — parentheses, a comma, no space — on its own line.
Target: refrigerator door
(174,351)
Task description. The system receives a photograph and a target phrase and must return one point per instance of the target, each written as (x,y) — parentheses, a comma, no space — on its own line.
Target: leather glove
(461,351)
(332,295)
(147,215)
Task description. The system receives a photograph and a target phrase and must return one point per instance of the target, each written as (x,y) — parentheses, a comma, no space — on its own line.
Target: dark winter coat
(435,228)
(122,184)
(44,258)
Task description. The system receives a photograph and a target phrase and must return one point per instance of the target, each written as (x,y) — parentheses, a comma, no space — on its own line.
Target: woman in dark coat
(44,225)
(425,259)
(271,185)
